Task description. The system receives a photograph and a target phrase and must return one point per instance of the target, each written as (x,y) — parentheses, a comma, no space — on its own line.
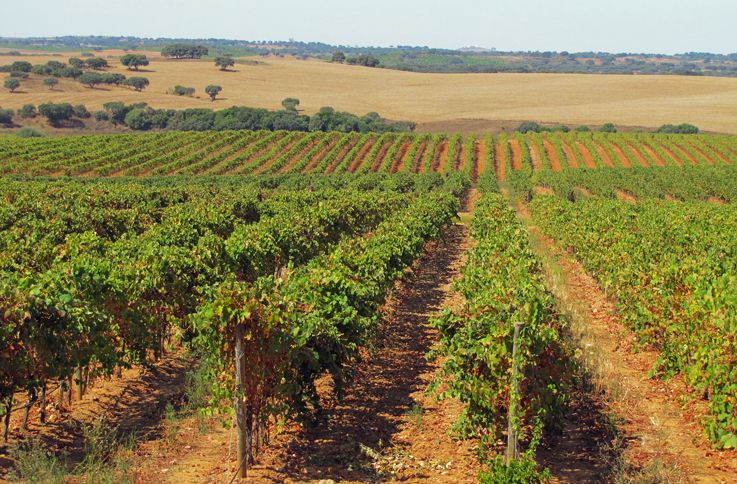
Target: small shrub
(182,90)
(529,127)
(30,133)
(198,383)
(80,111)
(684,128)
(35,464)
(102,116)
(523,471)
(6,116)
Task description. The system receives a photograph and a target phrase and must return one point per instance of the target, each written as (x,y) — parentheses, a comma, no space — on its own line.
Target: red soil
(588,158)
(297,157)
(320,155)
(401,158)
(708,158)
(480,157)
(227,159)
(276,156)
(440,157)
(358,160)
(626,196)
(553,156)
(516,154)
(535,156)
(639,156)
(720,154)
(570,156)
(341,156)
(654,155)
(673,156)
(622,157)
(460,162)
(381,155)
(501,161)
(686,154)
(421,153)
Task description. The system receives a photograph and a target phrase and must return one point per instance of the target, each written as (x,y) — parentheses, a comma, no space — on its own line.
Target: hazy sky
(663,26)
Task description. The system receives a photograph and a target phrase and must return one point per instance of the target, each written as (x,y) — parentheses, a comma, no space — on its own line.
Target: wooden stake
(69,391)
(240,407)
(32,397)
(42,410)
(8,410)
(78,382)
(514,396)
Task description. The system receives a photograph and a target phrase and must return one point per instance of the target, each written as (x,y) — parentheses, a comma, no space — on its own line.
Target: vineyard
(282,152)
(116,250)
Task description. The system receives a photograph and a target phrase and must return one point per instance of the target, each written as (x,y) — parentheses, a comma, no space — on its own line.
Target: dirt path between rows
(480,159)
(588,158)
(660,439)
(685,154)
(387,428)
(678,161)
(516,149)
(621,156)
(570,156)
(132,404)
(419,157)
(638,155)
(653,154)
(441,157)
(401,158)
(535,156)
(555,163)
(500,160)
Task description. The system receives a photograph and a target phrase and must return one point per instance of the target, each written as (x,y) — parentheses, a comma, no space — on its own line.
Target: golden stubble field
(433,100)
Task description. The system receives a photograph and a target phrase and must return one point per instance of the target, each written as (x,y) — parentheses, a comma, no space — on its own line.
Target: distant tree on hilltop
(56,112)
(338,57)
(213,90)
(12,84)
(224,61)
(91,79)
(290,104)
(51,82)
(184,51)
(134,61)
(137,83)
(364,60)
(96,63)
(21,66)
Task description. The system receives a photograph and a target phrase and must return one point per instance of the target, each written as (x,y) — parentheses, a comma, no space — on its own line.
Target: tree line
(20,70)
(142,117)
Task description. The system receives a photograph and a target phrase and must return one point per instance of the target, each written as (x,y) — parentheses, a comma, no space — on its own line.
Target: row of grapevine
(245,152)
(671,268)
(312,321)
(716,183)
(503,355)
(115,280)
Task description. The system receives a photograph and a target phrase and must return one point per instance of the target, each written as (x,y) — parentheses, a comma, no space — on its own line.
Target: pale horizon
(632,26)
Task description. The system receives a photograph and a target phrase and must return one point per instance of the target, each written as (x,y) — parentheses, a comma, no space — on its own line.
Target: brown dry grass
(430,99)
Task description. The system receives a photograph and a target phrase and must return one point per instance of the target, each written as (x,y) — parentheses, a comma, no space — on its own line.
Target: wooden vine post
(514,397)
(78,383)
(240,407)
(6,420)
